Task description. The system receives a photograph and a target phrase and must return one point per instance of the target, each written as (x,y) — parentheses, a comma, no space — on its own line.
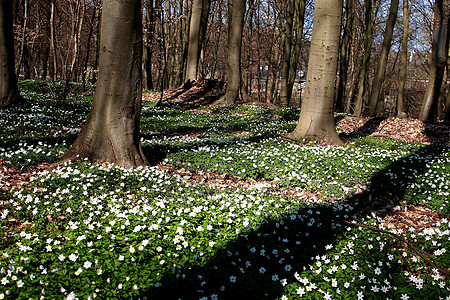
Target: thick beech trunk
(316,121)
(9,93)
(111,133)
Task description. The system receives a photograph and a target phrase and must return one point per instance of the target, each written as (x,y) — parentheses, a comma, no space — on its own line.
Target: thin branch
(404,241)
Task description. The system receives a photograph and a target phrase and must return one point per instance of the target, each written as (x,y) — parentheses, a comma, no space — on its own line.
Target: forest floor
(230,170)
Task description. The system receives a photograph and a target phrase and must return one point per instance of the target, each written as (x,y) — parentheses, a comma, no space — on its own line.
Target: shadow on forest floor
(303,234)
(196,94)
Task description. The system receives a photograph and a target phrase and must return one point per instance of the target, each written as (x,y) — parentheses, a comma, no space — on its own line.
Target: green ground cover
(90,231)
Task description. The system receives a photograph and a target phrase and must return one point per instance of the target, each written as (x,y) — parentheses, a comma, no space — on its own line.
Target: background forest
(58,40)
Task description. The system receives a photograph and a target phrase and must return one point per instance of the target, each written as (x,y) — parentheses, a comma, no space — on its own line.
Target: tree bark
(401,109)
(23,39)
(52,41)
(246,74)
(193,52)
(295,57)
(9,93)
(149,29)
(186,37)
(287,50)
(235,27)
(382,63)
(111,133)
(345,55)
(316,121)
(439,52)
(78,25)
(89,42)
(363,74)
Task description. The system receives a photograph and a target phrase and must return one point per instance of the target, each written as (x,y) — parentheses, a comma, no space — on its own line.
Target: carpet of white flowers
(298,228)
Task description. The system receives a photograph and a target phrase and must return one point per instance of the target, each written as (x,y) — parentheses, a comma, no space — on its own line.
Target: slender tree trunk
(46,28)
(193,52)
(111,133)
(52,40)
(149,29)
(96,42)
(236,24)
(88,47)
(295,57)
(316,121)
(246,74)
(173,55)
(345,54)
(203,36)
(217,42)
(9,93)
(401,109)
(363,74)
(447,102)
(287,47)
(23,39)
(354,81)
(377,86)
(186,37)
(78,25)
(439,52)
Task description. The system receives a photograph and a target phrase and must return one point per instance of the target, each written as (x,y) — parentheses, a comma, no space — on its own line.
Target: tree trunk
(377,86)
(295,57)
(79,18)
(217,42)
(354,79)
(287,47)
(96,43)
(203,37)
(149,29)
(363,74)
(52,41)
(401,109)
(235,27)
(23,39)
(193,52)
(439,52)
(447,102)
(246,74)
(316,121)
(9,93)
(111,133)
(46,51)
(186,38)
(344,57)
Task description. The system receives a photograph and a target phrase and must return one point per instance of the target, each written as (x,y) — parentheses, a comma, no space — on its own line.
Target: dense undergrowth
(85,230)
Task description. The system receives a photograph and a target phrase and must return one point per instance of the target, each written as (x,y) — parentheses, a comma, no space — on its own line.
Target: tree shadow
(196,94)
(389,186)
(240,269)
(155,154)
(367,129)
